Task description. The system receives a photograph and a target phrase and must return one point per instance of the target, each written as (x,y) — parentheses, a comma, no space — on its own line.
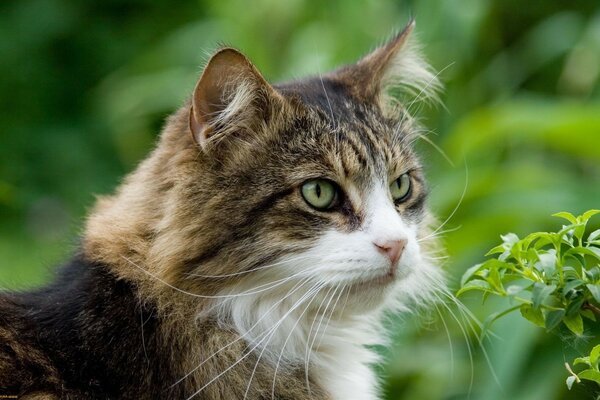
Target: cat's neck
(289,329)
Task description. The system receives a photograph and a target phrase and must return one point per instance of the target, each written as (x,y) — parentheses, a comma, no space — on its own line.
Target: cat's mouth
(375,282)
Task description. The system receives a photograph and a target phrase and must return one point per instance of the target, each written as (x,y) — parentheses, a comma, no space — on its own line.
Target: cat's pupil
(318,190)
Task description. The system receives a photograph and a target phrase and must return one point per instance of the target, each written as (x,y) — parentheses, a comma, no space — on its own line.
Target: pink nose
(391,248)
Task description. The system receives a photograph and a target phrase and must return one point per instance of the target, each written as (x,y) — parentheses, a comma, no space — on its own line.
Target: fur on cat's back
(208,275)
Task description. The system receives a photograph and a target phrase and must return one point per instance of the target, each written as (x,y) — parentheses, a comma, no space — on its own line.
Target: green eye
(319,193)
(400,188)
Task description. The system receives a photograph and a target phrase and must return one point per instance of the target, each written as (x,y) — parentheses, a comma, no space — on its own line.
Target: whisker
(438,234)
(226,296)
(437,148)
(449,340)
(432,83)
(466,338)
(329,318)
(287,339)
(471,319)
(462,197)
(310,344)
(290,292)
(249,270)
(285,342)
(249,352)
(142,323)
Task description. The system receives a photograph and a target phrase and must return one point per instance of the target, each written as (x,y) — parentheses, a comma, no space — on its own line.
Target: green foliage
(590,373)
(85,87)
(553,277)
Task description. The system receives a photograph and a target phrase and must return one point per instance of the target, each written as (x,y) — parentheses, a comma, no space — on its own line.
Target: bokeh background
(86,86)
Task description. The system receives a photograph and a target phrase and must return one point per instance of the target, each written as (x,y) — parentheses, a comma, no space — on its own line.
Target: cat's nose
(391,248)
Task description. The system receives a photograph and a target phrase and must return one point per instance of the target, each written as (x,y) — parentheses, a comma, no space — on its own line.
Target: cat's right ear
(393,70)
(231,96)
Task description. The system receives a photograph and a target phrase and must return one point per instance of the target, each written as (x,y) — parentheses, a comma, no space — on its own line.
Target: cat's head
(312,184)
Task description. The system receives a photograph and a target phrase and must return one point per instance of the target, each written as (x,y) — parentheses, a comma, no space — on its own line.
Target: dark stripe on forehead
(361,152)
(387,149)
(329,97)
(357,124)
(374,148)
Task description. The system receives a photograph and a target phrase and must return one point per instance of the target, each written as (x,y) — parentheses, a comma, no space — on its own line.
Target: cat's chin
(376,283)
(375,292)
(370,294)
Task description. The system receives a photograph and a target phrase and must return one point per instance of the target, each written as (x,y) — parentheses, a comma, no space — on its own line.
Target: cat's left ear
(231,97)
(394,68)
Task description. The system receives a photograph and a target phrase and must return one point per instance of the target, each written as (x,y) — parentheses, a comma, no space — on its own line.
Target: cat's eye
(400,188)
(320,193)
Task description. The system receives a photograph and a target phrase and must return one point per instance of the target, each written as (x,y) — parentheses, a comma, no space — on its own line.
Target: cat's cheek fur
(351,289)
(202,269)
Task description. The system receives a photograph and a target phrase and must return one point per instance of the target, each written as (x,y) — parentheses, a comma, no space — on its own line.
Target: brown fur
(218,196)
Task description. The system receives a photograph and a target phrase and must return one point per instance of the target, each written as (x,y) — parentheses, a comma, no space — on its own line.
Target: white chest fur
(331,349)
(345,376)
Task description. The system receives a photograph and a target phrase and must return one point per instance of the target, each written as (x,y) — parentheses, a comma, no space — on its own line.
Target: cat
(253,254)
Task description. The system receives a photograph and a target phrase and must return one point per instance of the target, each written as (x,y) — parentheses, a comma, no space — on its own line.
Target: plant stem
(588,306)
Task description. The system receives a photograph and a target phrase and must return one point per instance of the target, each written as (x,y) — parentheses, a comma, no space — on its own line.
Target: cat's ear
(396,68)
(231,95)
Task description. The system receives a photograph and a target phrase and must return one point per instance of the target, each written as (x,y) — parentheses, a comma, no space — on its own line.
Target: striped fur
(206,275)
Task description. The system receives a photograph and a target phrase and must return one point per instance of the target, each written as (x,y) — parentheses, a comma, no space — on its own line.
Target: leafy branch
(553,277)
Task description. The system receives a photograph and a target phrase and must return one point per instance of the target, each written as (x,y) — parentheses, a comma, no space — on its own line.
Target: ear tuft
(394,70)
(407,73)
(231,96)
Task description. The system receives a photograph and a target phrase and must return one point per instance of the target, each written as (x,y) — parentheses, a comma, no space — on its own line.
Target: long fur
(208,275)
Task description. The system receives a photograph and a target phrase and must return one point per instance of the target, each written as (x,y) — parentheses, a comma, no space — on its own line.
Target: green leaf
(579,231)
(588,214)
(527,240)
(496,281)
(532,315)
(593,274)
(518,286)
(475,284)
(566,235)
(588,314)
(469,273)
(590,375)
(574,323)
(582,360)
(566,215)
(547,262)
(593,236)
(553,319)
(570,273)
(509,240)
(595,354)
(492,318)
(570,381)
(574,307)
(588,251)
(545,240)
(496,250)
(540,293)
(570,285)
(594,291)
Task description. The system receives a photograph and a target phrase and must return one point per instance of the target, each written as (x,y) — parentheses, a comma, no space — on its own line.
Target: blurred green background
(86,86)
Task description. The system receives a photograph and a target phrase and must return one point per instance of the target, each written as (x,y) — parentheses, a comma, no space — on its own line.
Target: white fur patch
(309,317)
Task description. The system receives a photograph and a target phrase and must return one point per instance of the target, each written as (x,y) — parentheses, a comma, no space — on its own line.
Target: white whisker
(251,291)
(462,196)
(309,344)
(251,350)
(249,270)
(290,292)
